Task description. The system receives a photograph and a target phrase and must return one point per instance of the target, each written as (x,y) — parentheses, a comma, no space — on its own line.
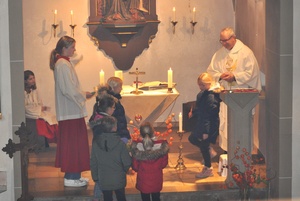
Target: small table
(150,104)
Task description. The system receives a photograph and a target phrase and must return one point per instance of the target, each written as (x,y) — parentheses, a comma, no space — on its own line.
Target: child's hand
(89,94)
(205,136)
(190,114)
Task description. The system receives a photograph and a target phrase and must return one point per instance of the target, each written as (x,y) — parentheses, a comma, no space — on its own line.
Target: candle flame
(55,12)
(174,9)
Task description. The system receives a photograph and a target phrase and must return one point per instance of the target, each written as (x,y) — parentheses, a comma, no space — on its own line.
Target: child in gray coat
(110,160)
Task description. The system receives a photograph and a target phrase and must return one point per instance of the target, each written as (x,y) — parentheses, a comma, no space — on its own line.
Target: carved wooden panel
(123,28)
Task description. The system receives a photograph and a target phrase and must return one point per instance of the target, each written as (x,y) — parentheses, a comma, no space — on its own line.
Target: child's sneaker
(206,172)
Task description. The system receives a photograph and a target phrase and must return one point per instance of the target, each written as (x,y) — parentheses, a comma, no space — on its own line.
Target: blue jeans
(72,176)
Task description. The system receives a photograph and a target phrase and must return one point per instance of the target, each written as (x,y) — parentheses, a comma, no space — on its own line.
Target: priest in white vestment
(234,66)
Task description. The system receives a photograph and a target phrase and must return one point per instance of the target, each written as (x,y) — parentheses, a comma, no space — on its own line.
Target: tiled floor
(47,181)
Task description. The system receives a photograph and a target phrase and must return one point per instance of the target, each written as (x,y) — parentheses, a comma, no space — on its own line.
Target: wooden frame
(123,31)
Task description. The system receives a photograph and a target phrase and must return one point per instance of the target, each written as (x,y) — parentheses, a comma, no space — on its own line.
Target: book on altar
(154,85)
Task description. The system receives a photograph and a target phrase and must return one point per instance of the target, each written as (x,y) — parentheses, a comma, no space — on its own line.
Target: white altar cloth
(150,104)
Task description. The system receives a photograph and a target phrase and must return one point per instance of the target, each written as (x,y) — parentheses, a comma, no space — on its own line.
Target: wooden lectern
(240,104)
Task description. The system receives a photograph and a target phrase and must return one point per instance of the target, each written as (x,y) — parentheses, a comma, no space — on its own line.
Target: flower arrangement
(135,132)
(248,176)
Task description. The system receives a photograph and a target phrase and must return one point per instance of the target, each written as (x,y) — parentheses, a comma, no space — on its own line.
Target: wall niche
(123,28)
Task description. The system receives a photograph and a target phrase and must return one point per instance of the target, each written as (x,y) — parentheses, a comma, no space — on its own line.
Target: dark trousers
(120,194)
(204,148)
(154,196)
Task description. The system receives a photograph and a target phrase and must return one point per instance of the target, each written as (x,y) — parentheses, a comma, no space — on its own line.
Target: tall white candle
(194,14)
(174,14)
(180,122)
(119,74)
(55,13)
(72,17)
(102,81)
(170,78)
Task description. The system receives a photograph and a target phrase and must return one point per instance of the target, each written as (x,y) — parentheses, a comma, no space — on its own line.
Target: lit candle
(71,17)
(170,78)
(102,82)
(174,14)
(55,13)
(180,122)
(194,14)
(119,74)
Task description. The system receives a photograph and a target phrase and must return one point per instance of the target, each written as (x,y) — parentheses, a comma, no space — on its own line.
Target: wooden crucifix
(23,132)
(137,73)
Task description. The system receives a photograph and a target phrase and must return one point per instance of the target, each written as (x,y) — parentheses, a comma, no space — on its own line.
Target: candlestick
(194,14)
(174,14)
(102,81)
(54,25)
(119,74)
(170,80)
(180,122)
(71,17)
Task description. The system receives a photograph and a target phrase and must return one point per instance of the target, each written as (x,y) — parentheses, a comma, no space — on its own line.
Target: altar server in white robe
(234,66)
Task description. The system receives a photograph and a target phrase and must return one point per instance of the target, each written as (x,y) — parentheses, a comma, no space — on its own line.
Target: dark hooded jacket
(206,115)
(149,165)
(110,161)
(119,114)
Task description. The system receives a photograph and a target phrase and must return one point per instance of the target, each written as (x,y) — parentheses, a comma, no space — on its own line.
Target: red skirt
(72,153)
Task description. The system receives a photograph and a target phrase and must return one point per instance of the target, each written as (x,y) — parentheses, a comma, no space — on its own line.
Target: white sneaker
(84,179)
(74,183)
(206,172)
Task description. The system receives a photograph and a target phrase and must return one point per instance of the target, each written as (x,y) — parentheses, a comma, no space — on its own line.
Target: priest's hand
(228,76)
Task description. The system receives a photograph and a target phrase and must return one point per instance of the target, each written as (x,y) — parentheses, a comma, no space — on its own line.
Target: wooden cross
(23,132)
(137,73)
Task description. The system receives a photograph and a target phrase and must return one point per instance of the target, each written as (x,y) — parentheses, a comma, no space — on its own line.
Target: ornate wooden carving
(123,28)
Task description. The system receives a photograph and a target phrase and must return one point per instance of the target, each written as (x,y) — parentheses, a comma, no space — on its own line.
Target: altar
(149,105)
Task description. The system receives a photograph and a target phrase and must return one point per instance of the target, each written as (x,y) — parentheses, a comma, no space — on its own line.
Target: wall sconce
(193,22)
(54,25)
(193,26)
(174,24)
(73,27)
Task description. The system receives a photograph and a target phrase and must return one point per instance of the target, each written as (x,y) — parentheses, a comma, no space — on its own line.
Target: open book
(154,85)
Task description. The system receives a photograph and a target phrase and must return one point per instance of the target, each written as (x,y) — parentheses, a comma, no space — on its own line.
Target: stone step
(207,195)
